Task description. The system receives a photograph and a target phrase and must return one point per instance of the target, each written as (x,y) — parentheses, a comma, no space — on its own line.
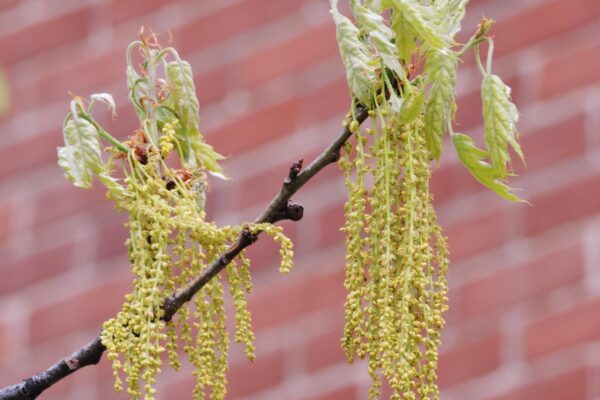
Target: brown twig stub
(170,308)
(295,169)
(292,211)
(335,156)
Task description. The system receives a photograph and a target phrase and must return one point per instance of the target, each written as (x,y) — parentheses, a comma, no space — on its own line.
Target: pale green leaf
(474,159)
(411,106)
(81,155)
(500,116)
(449,14)
(69,159)
(106,99)
(183,93)
(112,185)
(138,89)
(374,5)
(422,20)
(209,157)
(357,59)
(184,102)
(406,37)
(381,37)
(441,105)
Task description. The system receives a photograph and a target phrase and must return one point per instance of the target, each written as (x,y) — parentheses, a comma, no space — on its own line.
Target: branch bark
(281,207)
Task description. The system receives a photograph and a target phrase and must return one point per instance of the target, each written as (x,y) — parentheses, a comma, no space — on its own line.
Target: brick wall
(525,281)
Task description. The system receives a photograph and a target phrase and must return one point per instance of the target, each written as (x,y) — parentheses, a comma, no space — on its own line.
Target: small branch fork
(280,208)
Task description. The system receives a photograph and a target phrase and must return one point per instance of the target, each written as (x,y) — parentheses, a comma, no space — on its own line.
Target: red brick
(6,5)
(510,286)
(212,86)
(570,70)
(295,297)
(252,377)
(331,220)
(66,200)
(568,328)
(301,52)
(3,347)
(29,153)
(469,360)
(81,77)
(441,185)
(35,268)
(179,389)
(78,312)
(237,18)
(263,124)
(457,181)
(123,10)
(5,220)
(262,187)
(105,390)
(329,101)
(346,393)
(478,234)
(48,34)
(468,112)
(574,200)
(542,21)
(594,381)
(111,240)
(256,128)
(571,385)
(325,350)
(559,142)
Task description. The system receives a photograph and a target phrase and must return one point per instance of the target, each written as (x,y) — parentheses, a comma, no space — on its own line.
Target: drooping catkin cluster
(397,258)
(170,242)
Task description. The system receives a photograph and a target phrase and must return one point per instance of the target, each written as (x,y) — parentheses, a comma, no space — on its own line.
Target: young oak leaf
(355,55)
(421,20)
(185,103)
(405,36)
(449,14)
(474,159)
(441,105)
(500,116)
(381,37)
(80,157)
(411,106)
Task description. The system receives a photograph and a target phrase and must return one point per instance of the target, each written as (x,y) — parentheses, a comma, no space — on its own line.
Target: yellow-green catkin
(396,258)
(171,243)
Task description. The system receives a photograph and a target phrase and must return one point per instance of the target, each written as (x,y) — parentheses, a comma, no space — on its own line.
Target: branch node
(72,363)
(294,210)
(247,237)
(295,169)
(335,156)
(170,307)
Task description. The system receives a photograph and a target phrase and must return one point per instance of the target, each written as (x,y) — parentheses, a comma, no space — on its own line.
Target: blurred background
(524,321)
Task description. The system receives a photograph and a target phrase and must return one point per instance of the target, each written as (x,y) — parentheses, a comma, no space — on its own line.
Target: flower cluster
(170,241)
(397,258)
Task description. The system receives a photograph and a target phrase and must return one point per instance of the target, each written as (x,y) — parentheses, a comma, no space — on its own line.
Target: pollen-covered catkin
(397,258)
(170,242)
